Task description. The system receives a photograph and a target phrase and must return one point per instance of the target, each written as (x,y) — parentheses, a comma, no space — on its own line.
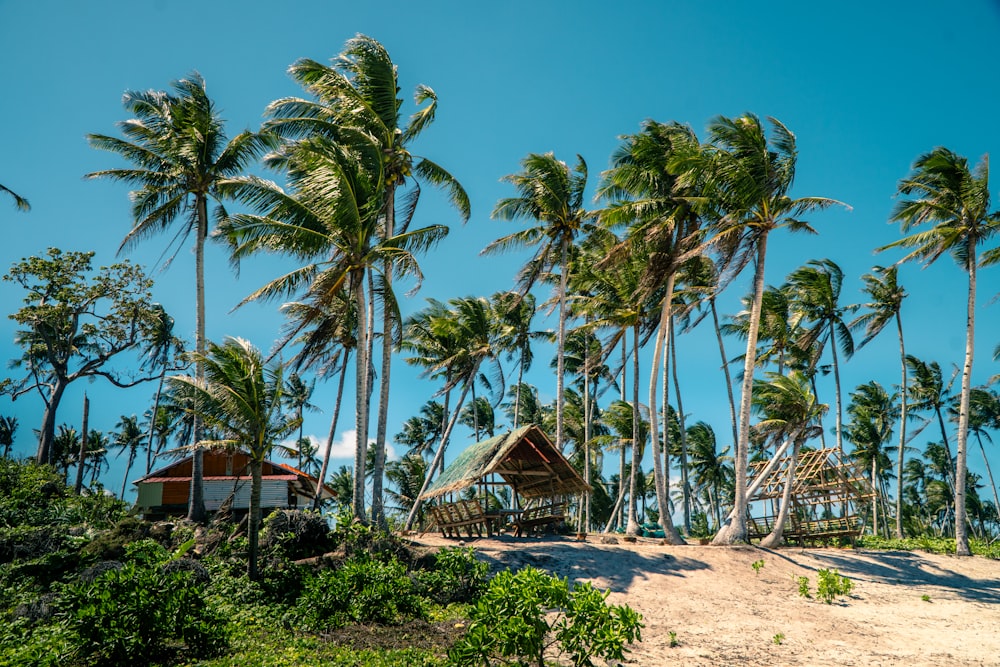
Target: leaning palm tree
(944,192)
(180,153)
(747,176)
(550,193)
(358,95)
(20,203)
(886,294)
(240,398)
(790,413)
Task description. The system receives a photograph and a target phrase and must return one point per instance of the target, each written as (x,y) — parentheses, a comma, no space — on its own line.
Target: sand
(906,608)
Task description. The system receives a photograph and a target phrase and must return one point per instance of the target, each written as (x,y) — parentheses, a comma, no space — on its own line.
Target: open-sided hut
(525,460)
(830,497)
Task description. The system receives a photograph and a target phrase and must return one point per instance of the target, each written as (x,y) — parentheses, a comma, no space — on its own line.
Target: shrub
(295,534)
(457,576)
(522,614)
(131,615)
(830,584)
(363,590)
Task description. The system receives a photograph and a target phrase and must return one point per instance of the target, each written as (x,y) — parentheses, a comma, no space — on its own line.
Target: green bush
(295,534)
(363,590)
(830,584)
(457,576)
(133,614)
(522,614)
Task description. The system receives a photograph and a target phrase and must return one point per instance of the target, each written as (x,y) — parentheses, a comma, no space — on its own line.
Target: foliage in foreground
(527,615)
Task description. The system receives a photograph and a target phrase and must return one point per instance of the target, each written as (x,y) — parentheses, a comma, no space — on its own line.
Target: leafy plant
(673,640)
(804,587)
(457,576)
(757,565)
(831,584)
(925,597)
(523,614)
(778,638)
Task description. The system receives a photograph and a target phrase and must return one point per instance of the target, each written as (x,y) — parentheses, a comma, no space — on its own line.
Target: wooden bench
(535,517)
(450,518)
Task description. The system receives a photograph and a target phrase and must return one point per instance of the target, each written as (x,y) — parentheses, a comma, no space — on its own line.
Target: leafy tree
(240,397)
(74,323)
(944,192)
(180,153)
(748,173)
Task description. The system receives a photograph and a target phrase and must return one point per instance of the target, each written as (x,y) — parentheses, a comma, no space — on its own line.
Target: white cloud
(342,451)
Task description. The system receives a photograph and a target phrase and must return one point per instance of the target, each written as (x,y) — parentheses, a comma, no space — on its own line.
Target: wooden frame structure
(829,499)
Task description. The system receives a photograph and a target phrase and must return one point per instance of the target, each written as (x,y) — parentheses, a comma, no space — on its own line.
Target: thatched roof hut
(525,459)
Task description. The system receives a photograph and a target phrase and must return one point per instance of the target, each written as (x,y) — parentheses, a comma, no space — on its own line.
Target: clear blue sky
(866,87)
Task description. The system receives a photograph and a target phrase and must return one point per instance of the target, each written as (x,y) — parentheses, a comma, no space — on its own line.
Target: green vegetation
(757,565)
(81,584)
(925,597)
(830,585)
(803,583)
(778,638)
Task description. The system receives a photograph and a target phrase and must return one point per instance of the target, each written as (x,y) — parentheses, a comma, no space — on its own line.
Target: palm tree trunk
(735,528)
(632,524)
(685,485)
(989,472)
(774,538)
(196,500)
(388,325)
(725,370)
(560,343)
(836,388)
(82,457)
(585,511)
(128,467)
(152,419)
(253,520)
(361,395)
(660,476)
(961,530)
(318,495)
(902,430)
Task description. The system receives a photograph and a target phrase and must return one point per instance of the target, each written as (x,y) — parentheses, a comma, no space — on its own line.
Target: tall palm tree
(453,344)
(984,414)
(710,467)
(928,391)
(886,305)
(790,412)
(748,175)
(8,427)
(645,192)
(296,397)
(550,193)
(944,192)
(180,153)
(127,440)
(815,293)
(240,397)
(873,415)
(162,350)
(20,203)
(515,313)
(358,95)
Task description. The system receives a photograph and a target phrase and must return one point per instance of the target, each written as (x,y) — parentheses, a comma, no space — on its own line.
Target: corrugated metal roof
(222,478)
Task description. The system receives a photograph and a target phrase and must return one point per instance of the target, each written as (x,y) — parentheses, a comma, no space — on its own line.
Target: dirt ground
(906,608)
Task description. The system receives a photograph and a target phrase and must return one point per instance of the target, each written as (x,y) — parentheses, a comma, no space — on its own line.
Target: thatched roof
(526,460)
(822,477)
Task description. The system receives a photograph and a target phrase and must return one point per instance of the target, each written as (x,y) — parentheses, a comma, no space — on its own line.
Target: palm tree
(8,427)
(179,149)
(515,312)
(709,466)
(815,293)
(955,200)
(162,350)
(748,176)
(406,475)
(20,203)
(240,397)
(886,305)
(873,415)
(296,397)
(452,343)
(551,194)
(984,413)
(357,95)
(127,439)
(791,413)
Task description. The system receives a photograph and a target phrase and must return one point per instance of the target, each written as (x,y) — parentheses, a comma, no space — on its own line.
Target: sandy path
(725,614)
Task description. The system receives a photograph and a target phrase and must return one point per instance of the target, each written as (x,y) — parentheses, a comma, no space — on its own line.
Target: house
(165,492)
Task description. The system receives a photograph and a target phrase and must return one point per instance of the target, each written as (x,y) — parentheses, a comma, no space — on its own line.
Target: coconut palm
(180,154)
(928,391)
(886,294)
(747,175)
(645,192)
(984,414)
(515,313)
(162,350)
(944,192)
(709,465)
(296,397)
(873,415)
(815,297)
(20,203)
(240,398)
(550,193)
(791,413)
(8,427)
(358,95)
(127,440)
(406,476)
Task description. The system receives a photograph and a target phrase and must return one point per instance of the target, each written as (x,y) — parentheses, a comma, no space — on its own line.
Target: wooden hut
(165,492)
(830,497)
(525,460)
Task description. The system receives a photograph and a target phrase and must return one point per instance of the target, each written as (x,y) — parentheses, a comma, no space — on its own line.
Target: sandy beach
(906,608)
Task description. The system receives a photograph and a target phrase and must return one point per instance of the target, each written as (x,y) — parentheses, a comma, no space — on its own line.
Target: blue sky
(866,87)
